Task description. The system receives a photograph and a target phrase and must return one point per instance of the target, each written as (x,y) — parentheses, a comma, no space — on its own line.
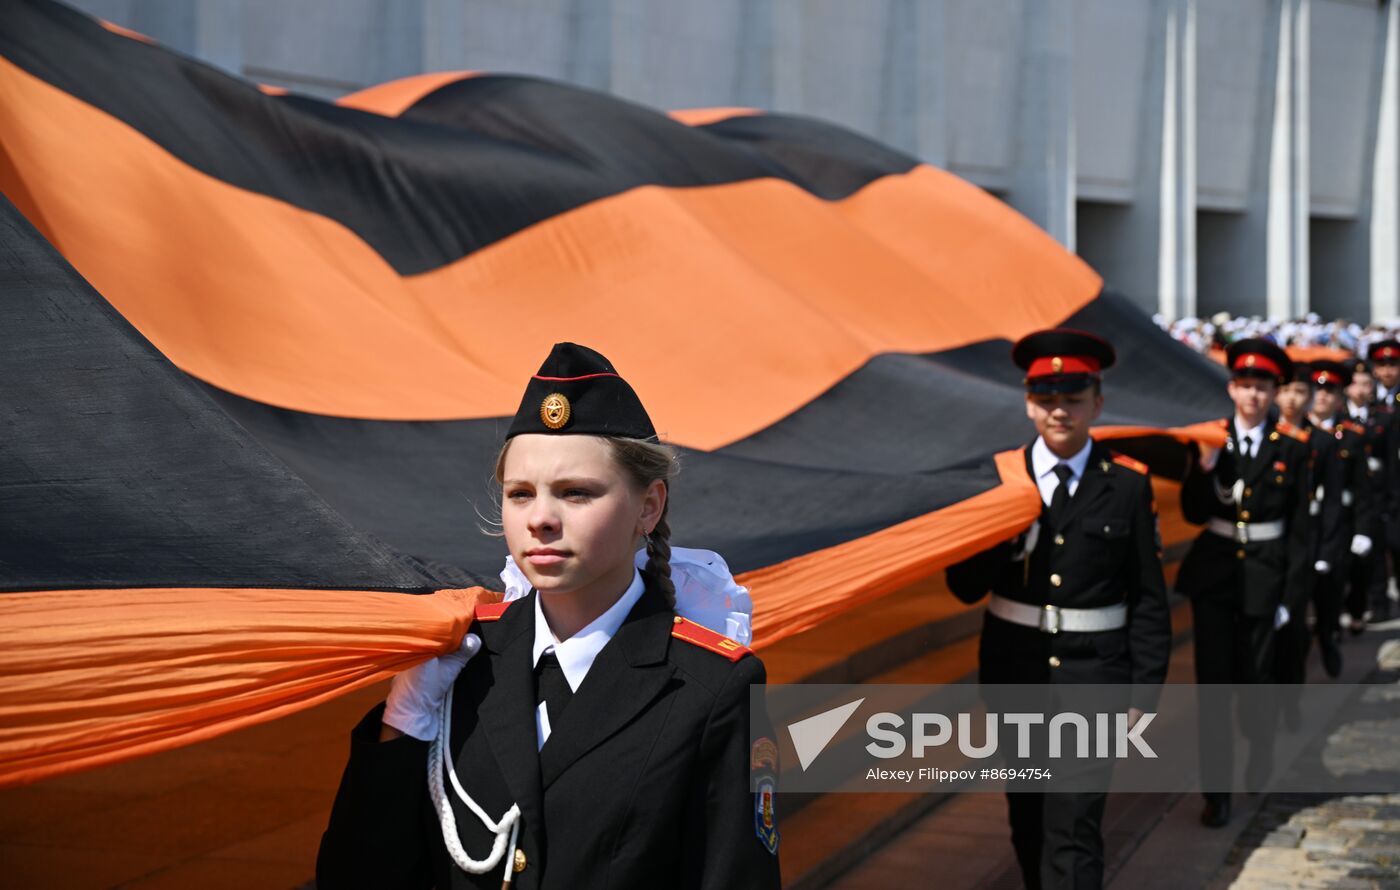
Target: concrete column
(1353,260)
(210,30)
(897,121)
(1043,179)
(1177,268)
(1258,260)
(1300,188)
(631,28)
(931,79)
(754,73)
(1383,208)
(443,35)
(789,61)
(1147,248)
(1284,202)
(589,45)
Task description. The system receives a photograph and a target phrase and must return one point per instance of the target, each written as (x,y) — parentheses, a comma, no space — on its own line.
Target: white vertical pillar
(209,30)
(789,63)
(588,52)
(897,121)
(443,37)
(1176,213)
(1043,181)
(1287,195)
(1300,199)
(1385,184)
(931,135)
(1149,251)
(753,77)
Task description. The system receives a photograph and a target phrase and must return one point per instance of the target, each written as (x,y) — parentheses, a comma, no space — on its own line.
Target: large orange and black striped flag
(259,351)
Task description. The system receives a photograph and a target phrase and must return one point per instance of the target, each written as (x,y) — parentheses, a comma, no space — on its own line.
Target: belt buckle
(1242,532)
(1050,619)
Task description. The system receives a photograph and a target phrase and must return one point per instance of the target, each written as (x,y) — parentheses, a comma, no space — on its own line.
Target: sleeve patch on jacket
(765,821)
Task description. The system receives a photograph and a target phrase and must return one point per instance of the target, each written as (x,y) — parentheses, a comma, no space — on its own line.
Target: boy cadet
(1346,494)
(1384,358)
(1294,400)
(1250,569)
(1078,598)
(1367,599)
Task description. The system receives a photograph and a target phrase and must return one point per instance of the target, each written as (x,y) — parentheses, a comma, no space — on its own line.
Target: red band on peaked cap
(1386,352)
(1050,365)
(1330,373)
(1256,356)
(1062,352)
(1248,361)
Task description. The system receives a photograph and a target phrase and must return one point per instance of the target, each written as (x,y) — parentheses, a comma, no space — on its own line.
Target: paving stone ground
(1333,842)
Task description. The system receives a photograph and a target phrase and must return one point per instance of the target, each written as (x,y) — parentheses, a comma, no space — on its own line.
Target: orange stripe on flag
(289,308)
(92,677)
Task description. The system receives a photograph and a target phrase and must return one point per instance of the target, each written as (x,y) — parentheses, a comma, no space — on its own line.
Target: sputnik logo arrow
(811,736)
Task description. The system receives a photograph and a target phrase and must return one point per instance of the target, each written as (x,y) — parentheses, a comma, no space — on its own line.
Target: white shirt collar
(1359,412)
(1044,461)
(576,654)
(1256,431)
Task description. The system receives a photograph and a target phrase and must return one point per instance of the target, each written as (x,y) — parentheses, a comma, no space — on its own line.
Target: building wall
(1203,154)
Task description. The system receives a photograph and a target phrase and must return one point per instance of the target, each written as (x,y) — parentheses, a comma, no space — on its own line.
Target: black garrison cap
(578,392)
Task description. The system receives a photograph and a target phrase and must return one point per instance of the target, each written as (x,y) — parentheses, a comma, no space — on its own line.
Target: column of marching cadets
(1299,538)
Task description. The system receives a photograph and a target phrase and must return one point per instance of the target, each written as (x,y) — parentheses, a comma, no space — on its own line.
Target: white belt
(1244,532)
(1053,619)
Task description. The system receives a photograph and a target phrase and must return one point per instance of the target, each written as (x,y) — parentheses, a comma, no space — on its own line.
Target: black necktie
(1060,499)
(551,688)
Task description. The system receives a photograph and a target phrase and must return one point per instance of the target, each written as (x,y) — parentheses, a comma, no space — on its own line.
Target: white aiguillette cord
(439,762)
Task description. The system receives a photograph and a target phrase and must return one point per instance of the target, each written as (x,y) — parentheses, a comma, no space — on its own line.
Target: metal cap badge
(577,391)
(555,410)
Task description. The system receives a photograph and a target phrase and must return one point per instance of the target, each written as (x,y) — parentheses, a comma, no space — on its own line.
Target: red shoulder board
(1354,427)
(1291,431)
(492,611)
(1136,466)
(705,638)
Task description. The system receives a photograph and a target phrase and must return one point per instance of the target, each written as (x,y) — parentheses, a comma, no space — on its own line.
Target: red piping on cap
(1387,352)
(583,377)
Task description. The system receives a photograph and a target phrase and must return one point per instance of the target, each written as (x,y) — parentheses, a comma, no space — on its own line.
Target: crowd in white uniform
(1222,329)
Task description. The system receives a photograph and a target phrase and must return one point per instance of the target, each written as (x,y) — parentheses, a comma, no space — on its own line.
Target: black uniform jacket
(1257,575)
(1343,490)
(1383,427)
(1106,551)
(644,782)
(1378,426)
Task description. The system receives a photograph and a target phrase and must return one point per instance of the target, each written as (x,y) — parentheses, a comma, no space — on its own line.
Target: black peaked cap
(1062,360)
(1326,372)
(1257,357)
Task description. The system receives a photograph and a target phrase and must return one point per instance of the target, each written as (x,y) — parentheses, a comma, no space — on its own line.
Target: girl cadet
(593,738)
